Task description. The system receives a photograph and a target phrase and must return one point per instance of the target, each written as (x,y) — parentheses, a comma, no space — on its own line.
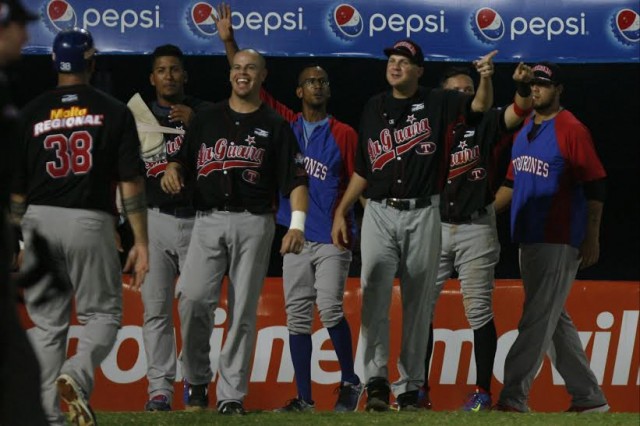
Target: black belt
(466,219)
(225,208)
(179,212)
(406,203)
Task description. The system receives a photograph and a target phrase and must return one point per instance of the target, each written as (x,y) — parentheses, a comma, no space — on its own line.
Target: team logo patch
(250,176)
(425,148)
(346,22)
(487,25)
(625,25)
(477,174)
(59,15)
(417,107)
(200,21)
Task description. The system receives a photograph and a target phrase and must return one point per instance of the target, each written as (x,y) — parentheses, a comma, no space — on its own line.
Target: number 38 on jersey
(73,154)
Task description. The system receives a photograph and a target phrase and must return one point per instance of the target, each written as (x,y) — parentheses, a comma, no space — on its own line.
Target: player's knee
(299,327)
(478,319)
(330,317)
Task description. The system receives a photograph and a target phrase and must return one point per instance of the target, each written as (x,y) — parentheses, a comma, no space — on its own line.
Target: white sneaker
(80,414)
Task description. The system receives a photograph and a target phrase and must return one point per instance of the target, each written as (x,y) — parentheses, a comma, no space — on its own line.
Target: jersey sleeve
(19,178)
(579,151)
(284,111)
(347,143)
(291,172)
(130,164)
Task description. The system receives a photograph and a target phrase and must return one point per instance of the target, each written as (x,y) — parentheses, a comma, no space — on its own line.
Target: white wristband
(297,220)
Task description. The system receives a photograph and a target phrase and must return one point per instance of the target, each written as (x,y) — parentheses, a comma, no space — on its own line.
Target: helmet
(72,50)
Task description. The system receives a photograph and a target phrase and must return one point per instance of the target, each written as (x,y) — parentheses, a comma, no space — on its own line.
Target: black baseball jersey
(241,160)
(154,170)
(472,165)
(76,142)
(403,144)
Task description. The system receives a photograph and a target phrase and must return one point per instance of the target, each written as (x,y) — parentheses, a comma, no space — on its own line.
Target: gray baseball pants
(548,272)
(408,243)
(473,250)
(168,243)
(240,242)
(315,276)
(82,245)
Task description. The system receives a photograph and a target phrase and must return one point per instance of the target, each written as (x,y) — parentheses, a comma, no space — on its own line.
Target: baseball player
(318,274)
(469,238)
(556,183)
(77,143)
(400,162)
(20,384)
(240,152)
(170,224)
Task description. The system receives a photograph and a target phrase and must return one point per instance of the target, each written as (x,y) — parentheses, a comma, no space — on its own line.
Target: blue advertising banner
(448,30)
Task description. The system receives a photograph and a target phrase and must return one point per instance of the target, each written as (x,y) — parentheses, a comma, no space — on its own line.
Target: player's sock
(427,360)
(300,346)
(485,341)
(341,338)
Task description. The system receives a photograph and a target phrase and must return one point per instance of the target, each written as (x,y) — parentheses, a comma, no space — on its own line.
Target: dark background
(604,96)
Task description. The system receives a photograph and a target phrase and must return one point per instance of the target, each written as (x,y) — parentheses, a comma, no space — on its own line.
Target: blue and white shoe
(348,397)
(479,400)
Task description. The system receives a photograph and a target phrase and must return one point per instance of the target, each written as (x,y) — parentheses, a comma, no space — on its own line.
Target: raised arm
(522,102)
(484,95)
(225,30)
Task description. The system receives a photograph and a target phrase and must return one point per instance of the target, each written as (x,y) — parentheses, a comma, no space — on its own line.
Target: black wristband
(523,89)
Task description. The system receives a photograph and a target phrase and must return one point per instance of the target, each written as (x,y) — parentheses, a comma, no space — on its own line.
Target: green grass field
(358,419)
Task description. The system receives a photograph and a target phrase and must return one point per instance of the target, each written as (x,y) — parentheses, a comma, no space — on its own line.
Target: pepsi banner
(447,30)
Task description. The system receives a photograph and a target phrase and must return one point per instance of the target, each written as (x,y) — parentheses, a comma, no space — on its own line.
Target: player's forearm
(503,198)
(135,207)
(17,208)
(483,99)
(594,218)
(357,185)
(299,198)
(519,109)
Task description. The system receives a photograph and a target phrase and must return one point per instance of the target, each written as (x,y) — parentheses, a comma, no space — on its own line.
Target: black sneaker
(377,394)
(408,401)
(197,397)
(231,408)
(296,405)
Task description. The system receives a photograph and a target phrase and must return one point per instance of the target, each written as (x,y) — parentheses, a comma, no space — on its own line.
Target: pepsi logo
(488,26)
(200,21)
(60,15)
(626,26)
(346,22)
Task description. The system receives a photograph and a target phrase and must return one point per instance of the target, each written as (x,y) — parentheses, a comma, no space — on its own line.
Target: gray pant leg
(477,253)
(445,266)
(548,271)
(380,256)
(299,293)
(569,358)
(420,244)
(168,243)
(94,270)
(198,292)
(332,268)
(249,240)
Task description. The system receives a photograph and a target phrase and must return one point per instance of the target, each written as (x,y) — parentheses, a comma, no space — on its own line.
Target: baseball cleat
(296,405)
(231,408)
(158,403)
(479,400)
(593,409)
(348,397)
(408,401)
(424,401)
(197,397)
(377,394)
(80,413)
